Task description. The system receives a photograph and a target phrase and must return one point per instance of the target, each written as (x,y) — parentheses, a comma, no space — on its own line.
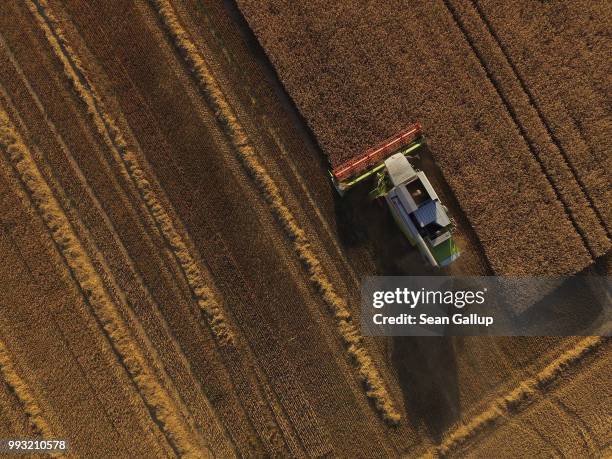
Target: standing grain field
(356,81)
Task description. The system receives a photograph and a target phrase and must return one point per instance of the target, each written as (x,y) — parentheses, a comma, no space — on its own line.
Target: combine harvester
(413,202)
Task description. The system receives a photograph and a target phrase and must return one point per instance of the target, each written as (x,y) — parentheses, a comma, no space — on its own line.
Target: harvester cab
(414,204)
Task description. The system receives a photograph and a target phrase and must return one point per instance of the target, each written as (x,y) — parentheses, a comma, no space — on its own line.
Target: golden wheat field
(178,277)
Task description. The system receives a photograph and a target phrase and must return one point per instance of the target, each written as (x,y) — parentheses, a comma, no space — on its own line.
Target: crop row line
(522,130)
(520,396)
(375,388)
(111,134)
(155,397)
(224,332)
(533,101)
(144,302)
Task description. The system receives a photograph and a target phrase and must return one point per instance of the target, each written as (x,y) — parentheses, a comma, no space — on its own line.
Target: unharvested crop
(359,74)
(558,51)
(557,165)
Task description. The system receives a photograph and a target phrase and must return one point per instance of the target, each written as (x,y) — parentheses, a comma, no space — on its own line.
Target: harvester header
(362,165)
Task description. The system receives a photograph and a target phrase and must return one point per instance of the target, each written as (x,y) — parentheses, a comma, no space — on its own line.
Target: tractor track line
(538,109)
(584,430)
(197,66)
(528,426)
(142,286)
(579,129)
(111,134)
(510,109)
(159,404)
(24,395)
(523,394)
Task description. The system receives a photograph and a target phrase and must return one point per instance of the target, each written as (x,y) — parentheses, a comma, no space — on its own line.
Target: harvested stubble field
(178,277)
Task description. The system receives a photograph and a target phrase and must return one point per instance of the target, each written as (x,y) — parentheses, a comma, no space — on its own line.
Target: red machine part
(379,152)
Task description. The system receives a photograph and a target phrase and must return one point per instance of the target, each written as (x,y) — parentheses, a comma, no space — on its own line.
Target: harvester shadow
(348,209)
(579,306)
(427,375)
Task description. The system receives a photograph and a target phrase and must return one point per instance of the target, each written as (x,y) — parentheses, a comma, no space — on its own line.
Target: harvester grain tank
(412,200)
